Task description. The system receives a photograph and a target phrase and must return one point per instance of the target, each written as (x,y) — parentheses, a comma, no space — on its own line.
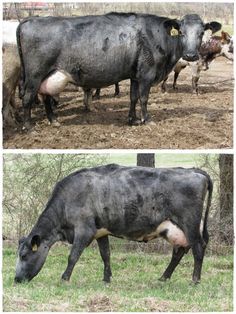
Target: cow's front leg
(117,90)
(103,244)
(81,241)
(195,80)
(134,94)
(87,99)
(144,89)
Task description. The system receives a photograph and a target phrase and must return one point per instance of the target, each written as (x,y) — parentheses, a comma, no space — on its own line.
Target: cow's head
(227,45)
(190,31)
(32,253)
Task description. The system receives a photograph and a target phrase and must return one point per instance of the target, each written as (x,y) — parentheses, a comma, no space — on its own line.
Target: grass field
(135,285)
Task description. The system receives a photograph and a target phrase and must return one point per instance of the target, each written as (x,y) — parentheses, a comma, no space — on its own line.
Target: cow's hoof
(65,279)
(163,279)
(96,97)
(87,109)
(55,123)
(65,282)
(195,282)
(27,127)
(134,122)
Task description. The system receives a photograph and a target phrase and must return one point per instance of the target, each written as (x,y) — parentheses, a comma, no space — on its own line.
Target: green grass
(135,285)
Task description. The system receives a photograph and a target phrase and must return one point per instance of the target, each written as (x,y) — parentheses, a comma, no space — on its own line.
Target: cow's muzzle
(191,57)
(20,280)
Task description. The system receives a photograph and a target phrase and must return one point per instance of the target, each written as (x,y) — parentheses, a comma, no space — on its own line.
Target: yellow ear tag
(174,32)
(34,248)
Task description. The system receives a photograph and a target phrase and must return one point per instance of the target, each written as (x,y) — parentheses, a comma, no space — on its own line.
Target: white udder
(173,234)
(55,83)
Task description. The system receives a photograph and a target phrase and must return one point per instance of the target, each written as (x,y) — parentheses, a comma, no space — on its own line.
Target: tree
(146,160)
(226,198)
(28,183)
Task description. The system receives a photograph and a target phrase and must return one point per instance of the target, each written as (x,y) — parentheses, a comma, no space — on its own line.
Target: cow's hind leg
(81,241)
(49,102)
(177,255)
(103,244)
(30,92)
(198,254)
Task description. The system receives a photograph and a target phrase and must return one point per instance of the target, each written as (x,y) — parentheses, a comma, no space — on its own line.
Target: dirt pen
(180,119)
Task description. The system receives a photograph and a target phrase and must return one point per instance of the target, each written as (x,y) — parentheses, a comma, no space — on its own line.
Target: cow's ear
(213,26)
(35,243)
(171,26)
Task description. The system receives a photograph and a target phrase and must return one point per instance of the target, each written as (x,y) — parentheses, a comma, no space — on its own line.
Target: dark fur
(98,51)
(130,202)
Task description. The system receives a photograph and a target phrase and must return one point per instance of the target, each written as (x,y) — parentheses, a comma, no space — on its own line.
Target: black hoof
(27,127)
(134,122)
(55,123)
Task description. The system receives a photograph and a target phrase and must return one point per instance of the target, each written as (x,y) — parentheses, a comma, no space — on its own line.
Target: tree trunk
(146,160)
(226,198)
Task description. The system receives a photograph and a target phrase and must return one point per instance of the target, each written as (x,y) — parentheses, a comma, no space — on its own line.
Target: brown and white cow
(211,48)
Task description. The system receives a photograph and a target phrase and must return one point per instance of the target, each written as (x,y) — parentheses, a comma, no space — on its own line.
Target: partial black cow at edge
(97,51)
(135,203)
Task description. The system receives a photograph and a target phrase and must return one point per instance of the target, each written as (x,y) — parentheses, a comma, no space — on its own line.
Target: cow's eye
(24,257)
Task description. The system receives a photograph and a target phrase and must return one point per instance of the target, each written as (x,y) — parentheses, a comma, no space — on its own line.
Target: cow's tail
(205,234)
(22,70)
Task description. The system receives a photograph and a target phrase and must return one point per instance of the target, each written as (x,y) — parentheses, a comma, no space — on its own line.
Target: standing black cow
(97,51)
(136,203)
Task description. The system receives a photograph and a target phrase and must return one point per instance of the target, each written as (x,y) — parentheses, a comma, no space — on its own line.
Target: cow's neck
(48,226)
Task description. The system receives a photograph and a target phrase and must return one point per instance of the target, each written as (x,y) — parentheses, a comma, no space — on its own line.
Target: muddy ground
(181,120)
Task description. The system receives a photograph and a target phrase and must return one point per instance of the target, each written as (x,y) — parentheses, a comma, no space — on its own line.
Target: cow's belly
(166,229)
(55,83)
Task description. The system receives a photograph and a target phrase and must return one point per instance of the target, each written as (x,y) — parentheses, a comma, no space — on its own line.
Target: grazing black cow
(135,203)
(97,51)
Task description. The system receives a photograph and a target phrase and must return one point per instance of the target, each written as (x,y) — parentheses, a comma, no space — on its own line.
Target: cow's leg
(144,89)
(49,102)
(134,94)
(87,99)
(97,94)
(176,75)
(81,241)
(29,94)
(117,90)
(177,255)
(103,244)
(198,254)
(27,102)
(195,80)
(163,85)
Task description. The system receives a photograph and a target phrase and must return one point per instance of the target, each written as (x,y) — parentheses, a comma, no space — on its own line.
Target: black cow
(97,51)
(135,203)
